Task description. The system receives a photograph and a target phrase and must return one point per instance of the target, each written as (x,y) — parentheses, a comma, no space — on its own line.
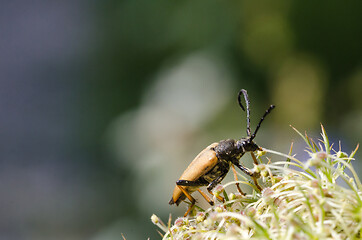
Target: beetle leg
(221,199)
(256,183)
(244,169)
(236,179)
(250,173)
(198,182)
(206,197)
(253,176)
(187,194)
(189,209)
(189,183)
(213,184)
(254,158)
(189,197)
(181,183)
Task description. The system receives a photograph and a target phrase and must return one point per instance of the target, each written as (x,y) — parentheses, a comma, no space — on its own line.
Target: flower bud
(155,219)
(218,190)
(218,209)
(179,222)
(341,154)
(260,153)
(200,216)
(267,194)
(250,212)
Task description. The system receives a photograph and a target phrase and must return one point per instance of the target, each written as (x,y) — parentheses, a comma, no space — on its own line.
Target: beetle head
(247,145)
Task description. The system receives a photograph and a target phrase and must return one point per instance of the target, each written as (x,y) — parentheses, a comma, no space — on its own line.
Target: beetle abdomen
(218,172)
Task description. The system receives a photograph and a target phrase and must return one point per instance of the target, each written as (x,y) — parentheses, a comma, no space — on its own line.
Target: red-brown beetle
(211,165)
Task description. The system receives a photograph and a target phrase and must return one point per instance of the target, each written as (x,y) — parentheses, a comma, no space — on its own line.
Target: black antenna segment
(245,93)
(261,120)
(239,99)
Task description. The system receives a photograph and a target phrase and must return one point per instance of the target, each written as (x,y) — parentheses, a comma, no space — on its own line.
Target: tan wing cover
(202,163)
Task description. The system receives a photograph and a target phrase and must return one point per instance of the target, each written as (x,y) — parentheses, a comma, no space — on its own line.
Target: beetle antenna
(239,99)
(261,120)
(245,93)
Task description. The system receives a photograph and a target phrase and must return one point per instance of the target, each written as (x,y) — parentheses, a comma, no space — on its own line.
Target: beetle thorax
(227,150)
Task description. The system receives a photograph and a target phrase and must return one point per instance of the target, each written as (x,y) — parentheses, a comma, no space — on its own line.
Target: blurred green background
(104,103)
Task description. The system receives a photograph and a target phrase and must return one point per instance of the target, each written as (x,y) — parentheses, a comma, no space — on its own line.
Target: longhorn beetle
(211,165)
